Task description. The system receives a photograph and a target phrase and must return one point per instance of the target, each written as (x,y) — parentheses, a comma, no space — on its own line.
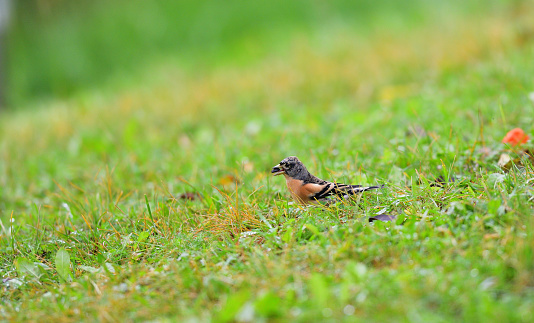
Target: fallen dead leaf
(515,137)
(190,196)
(383,218)
(505,161)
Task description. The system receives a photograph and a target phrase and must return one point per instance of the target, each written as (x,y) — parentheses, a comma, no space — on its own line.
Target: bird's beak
(277,170)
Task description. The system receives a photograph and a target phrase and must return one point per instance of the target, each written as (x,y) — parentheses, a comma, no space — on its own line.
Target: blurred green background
(56,48)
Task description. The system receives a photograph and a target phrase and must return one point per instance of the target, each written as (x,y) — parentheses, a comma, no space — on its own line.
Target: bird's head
(290,166)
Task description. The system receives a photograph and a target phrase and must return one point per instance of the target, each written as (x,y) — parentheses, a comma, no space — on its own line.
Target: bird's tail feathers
(342,191)
(355,189)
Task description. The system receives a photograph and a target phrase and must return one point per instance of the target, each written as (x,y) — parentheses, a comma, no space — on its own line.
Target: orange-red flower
(515,137)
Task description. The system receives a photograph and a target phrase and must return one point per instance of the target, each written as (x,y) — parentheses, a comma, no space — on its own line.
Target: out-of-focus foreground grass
(397,93)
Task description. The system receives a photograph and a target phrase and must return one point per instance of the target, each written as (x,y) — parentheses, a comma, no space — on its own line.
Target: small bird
(308,189)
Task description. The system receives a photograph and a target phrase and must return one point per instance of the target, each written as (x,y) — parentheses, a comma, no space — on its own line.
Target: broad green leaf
(90,269)
(63,264)
(27,268)
(143,236)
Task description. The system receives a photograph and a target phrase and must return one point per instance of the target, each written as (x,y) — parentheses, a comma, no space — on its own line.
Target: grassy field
(95,226)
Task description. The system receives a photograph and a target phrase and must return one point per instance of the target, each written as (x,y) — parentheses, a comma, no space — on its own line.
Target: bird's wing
(329,190)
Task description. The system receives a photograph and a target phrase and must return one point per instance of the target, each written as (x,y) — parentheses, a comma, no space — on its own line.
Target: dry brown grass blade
(236,217)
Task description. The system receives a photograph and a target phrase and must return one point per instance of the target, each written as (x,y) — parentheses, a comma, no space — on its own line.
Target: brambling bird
(308,189)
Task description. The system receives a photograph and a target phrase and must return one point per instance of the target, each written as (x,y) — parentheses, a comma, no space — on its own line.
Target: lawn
(152,198)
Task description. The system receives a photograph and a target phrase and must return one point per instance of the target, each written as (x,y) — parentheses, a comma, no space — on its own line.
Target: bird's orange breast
(298,190)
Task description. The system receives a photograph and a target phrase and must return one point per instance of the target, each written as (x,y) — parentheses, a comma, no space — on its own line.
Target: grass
(101,175)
